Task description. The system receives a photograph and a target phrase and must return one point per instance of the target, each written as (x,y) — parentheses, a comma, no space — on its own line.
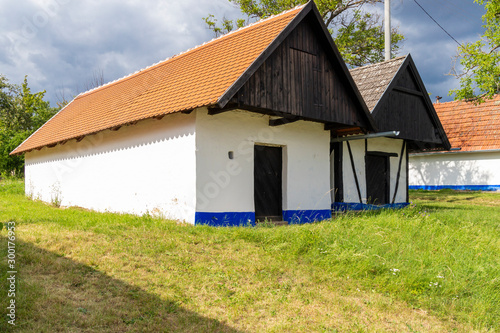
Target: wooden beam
(409,91)
(116,128)
(282,121)
(79,138)
(353,167)
(407,172)
(337,126)
(214,111)
(382,153)
(399,172)
(347,131)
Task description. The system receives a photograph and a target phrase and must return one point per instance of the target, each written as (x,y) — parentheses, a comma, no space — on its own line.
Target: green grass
(434,266)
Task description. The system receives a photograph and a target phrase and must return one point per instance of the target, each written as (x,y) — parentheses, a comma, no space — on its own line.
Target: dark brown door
(268,165)
(377,179)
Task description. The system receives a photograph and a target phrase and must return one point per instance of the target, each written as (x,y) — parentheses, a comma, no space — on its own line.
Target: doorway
(377,179)
(268,196)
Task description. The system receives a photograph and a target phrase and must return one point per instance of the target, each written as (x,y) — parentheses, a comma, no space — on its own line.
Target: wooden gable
(304,77)
(406,107)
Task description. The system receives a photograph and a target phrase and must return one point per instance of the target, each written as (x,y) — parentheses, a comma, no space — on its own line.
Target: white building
(473,163)
(235,131)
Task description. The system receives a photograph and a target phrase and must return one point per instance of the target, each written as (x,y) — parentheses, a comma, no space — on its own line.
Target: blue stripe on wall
(231,219)
(456,187)
(226,219)
(343,206)
(306,216)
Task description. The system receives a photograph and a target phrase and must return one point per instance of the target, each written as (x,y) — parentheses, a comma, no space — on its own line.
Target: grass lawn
(434,266)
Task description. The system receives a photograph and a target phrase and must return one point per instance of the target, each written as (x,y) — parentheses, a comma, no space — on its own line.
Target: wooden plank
(269,84)
(299,35)
(286,75)
(293,92)
(304,79)
(276,92)
(408,91)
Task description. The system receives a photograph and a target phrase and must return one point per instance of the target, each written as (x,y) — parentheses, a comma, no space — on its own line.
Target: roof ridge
(379,63)
(175,56)
(495,97)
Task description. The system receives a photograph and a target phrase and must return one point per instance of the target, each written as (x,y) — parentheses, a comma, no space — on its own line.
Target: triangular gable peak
(302,76)
(399,102)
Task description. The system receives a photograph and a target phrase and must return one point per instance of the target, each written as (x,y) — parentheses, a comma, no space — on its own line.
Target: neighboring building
(368,170)
(474,160)
(231,132)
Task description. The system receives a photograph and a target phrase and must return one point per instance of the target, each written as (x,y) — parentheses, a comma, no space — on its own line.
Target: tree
(480,78)
(21,113)
(359,35)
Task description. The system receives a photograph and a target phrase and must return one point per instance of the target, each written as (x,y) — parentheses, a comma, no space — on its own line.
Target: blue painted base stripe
(229,219)
(343,206)
(456,187)
(306,216)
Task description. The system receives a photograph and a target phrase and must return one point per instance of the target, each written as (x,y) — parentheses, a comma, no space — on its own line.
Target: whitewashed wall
(455,169)
(148,167)
(386,145)
(226,186)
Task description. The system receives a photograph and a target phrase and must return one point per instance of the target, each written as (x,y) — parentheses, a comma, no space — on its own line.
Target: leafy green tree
(480,77)
(21,113)
(359,35)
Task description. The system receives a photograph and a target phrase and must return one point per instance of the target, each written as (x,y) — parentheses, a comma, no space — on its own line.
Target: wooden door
(377,179)
(268,165)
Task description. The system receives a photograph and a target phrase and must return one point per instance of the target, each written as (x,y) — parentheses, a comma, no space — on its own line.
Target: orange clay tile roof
(198,77)
(471,127)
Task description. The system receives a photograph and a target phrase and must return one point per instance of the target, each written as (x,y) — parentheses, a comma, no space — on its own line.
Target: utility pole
(387,21)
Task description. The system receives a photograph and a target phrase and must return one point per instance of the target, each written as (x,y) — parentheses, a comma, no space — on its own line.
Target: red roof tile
(198,77)
(471,127)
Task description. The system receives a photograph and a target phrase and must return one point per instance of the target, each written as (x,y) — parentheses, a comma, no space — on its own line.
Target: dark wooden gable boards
(302,76)
(406,107)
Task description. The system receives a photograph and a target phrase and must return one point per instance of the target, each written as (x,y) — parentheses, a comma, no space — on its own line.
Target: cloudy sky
(61,44)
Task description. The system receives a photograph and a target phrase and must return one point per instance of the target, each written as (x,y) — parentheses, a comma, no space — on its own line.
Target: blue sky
(60,44)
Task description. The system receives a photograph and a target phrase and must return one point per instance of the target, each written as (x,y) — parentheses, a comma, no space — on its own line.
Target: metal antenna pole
(387,19)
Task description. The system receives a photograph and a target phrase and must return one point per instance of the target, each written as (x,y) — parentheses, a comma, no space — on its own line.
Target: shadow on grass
(57,294)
